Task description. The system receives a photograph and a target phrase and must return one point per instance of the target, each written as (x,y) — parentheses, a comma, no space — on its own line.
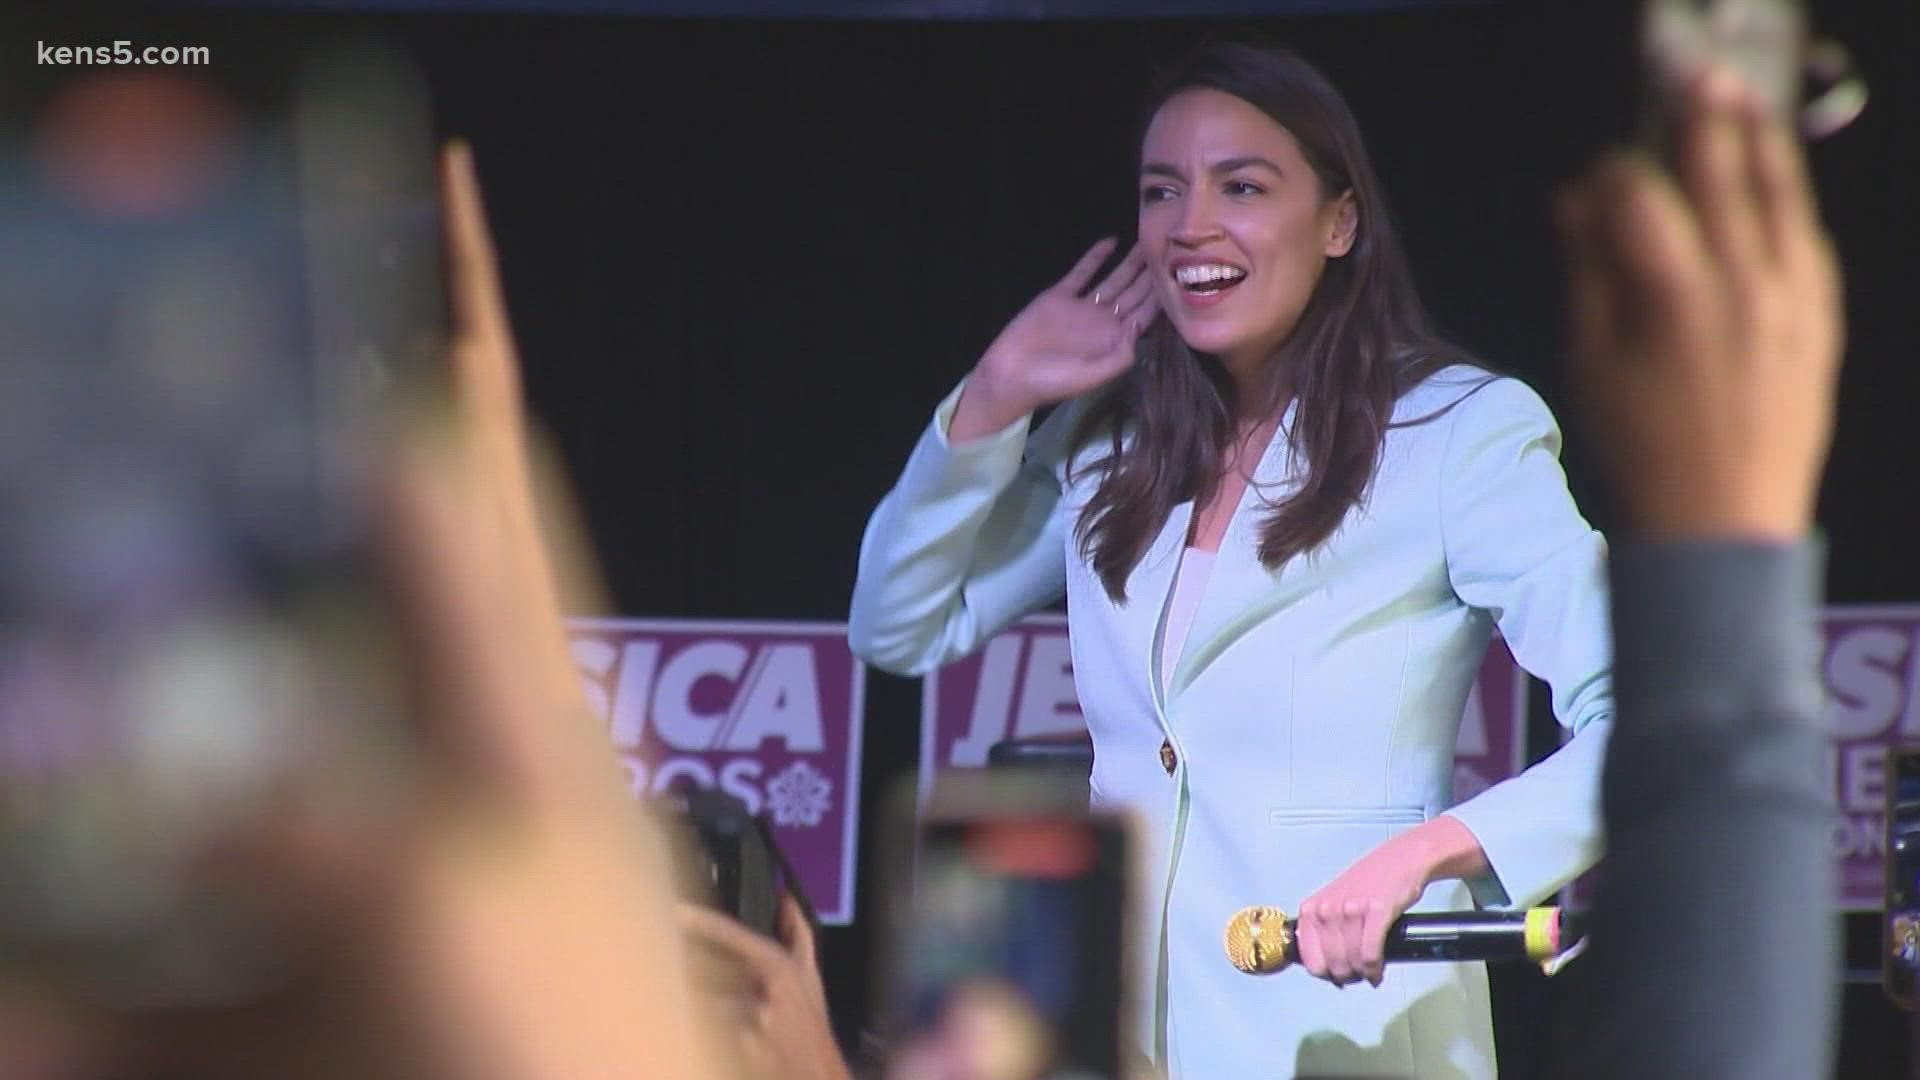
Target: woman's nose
(1198,221)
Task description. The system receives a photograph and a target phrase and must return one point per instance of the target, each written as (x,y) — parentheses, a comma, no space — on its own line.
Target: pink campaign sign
(767,712)
(1872,676)
(1871,673)
(1021,686)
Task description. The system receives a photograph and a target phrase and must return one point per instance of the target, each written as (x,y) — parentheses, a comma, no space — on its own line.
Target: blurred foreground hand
(510,918)
(1707,323)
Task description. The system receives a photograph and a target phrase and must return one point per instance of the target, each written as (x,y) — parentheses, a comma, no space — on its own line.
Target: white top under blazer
(1189,584)
(1312,712)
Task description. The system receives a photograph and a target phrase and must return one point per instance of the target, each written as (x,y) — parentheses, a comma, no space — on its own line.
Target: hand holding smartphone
(217,284)
(1763,41)
(1767,44)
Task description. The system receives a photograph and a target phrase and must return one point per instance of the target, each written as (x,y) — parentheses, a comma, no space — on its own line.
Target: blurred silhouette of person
(1707,333)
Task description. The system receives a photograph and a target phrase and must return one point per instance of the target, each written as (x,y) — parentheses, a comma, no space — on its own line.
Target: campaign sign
(767,712)
(1492,745)
(1872,676)
(1020,686)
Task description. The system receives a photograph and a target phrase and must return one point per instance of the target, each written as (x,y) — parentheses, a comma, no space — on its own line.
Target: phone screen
(1010,963)
(1762,41)
(200,341)
(1901,944)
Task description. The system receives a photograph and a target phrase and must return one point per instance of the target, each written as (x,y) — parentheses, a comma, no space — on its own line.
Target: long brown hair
(1362,341)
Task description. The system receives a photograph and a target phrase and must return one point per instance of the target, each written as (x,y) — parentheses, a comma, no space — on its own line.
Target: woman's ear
(1343,224)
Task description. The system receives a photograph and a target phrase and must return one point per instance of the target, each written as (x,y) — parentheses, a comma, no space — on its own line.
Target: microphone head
(1258,940)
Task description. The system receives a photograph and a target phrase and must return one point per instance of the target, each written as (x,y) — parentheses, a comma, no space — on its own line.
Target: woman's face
(1234,223)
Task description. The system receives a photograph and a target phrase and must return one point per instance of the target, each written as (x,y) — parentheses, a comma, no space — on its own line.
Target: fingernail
(1712,86)
(461,154)
(1725,88)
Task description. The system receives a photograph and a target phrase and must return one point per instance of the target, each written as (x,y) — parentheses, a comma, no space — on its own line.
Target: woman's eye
(1156,193)
(1243,187)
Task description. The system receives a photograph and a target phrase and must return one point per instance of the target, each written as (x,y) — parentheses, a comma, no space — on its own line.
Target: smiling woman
(1281,277)
(1285,516)
(1211,219)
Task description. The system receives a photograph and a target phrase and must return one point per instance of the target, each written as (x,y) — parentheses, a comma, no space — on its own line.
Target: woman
(1284,535)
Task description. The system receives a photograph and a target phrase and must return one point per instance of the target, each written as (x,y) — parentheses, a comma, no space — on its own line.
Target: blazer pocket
(1281,817)
(1305,847)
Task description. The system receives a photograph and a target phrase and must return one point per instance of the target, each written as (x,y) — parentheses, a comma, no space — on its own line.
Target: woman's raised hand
(1075,336)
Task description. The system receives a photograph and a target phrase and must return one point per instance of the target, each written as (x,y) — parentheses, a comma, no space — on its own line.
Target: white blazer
(1313,710)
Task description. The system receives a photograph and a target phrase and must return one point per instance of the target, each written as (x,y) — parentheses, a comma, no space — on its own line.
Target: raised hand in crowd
(1707,323)
(480,898)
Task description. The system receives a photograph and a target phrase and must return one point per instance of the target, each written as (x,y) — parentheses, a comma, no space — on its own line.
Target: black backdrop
(745,259)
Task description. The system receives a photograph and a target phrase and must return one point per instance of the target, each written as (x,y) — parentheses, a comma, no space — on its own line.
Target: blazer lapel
(1240,592)
(1151,587)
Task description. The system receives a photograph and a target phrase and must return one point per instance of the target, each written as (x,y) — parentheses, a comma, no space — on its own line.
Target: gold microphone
(1262,940)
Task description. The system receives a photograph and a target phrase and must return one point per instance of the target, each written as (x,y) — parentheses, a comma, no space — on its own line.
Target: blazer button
(1167,757)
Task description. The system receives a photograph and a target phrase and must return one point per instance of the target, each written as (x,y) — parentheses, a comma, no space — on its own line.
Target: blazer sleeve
(1518,548)
(970,539)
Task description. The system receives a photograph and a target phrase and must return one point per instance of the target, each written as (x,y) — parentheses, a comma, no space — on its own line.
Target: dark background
(745,258)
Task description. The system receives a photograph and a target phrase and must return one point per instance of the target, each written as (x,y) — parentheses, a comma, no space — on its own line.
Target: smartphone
(725,858)
(1900,945)
(1007,947)
(217,280)
(1763,41)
